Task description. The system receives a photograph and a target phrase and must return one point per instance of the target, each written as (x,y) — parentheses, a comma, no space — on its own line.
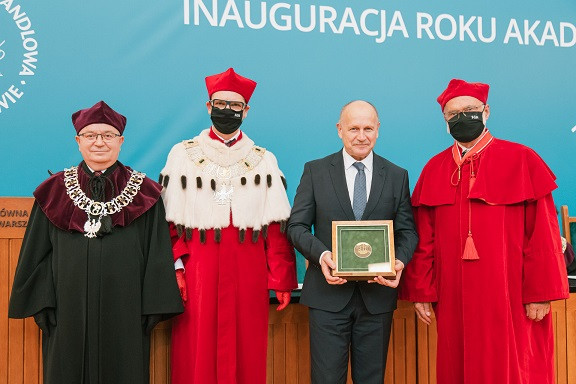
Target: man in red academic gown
(489,259)
(227,203)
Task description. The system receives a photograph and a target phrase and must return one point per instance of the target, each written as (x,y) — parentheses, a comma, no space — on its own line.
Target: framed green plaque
(363,250)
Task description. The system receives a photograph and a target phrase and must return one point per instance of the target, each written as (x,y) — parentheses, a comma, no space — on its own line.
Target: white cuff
(320,259)
(178,264)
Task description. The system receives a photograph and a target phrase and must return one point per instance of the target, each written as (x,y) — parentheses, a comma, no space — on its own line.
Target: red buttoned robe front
(222,335)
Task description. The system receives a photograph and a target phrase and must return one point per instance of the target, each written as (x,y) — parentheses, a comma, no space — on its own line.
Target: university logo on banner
(18,54)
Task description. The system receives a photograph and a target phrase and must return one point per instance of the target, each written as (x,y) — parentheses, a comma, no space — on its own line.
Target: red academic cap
(458,87)
(98,113)
(230,81)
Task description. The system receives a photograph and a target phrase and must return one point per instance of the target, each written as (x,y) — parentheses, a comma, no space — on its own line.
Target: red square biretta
(230,81)
(98,113)
(458,87)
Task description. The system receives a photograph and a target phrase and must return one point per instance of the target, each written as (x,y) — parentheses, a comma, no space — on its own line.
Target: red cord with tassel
(470,252)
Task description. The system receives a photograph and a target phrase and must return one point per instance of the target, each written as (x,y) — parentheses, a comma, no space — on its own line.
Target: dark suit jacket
(321,198)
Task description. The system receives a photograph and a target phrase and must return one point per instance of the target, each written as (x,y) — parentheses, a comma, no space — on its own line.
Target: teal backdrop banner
(148,59)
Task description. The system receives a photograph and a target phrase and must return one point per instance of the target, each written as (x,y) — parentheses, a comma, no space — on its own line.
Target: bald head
(358,104)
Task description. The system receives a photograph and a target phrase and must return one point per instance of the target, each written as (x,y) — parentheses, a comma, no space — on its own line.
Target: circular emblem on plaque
(362,250)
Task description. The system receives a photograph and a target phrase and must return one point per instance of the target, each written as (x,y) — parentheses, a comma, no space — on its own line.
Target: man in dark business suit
(344,315)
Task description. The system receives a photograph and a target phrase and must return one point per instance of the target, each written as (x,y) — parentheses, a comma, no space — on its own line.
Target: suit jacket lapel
(378,179)
(339,183)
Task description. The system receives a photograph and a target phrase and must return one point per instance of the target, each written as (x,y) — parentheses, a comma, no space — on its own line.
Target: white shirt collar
(91,170)
(349,160)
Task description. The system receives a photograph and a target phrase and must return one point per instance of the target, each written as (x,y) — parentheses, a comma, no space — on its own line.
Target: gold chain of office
(98,208)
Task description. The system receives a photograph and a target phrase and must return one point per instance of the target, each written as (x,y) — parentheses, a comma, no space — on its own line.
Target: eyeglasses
(234,105)
(106,136)
(453,116)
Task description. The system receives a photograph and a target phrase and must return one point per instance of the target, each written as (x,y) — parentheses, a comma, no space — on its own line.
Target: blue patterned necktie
(359,202)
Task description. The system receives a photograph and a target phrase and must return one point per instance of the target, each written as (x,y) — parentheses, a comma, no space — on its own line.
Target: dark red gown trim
(59,208)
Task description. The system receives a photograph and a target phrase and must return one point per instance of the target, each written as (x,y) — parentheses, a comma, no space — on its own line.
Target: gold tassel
(470,252)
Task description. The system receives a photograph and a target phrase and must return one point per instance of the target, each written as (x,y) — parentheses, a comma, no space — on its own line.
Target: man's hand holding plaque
(328,266)
(398,266)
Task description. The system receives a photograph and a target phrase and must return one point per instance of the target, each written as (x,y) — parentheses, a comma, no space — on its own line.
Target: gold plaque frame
(363,250)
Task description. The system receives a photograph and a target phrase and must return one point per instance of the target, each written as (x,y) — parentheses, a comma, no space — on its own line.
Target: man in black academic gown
(96,268)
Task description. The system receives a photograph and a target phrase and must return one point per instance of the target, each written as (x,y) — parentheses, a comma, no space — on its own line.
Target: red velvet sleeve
(179,247)
(544,277)
(281,260)
(418,283)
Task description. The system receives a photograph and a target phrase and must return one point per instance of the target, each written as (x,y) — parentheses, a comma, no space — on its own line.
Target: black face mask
(225,120)
(467,128)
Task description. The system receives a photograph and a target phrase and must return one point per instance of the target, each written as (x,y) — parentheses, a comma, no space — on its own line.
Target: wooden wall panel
(571,339)
(280,356)
(20,340)
(559,322)
(288,345)
(426,361)
(4,296)
(401,363)
(32,352)
(160,354)
(304,354)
